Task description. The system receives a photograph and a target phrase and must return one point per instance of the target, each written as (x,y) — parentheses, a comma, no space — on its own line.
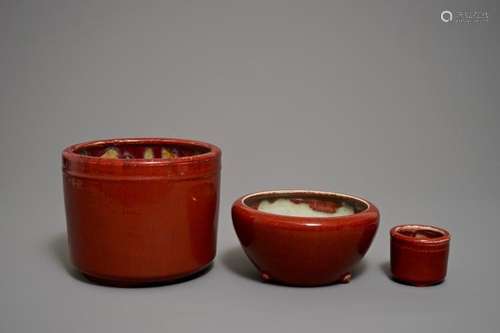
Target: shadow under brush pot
(419,254)
(304,238)
(141,211)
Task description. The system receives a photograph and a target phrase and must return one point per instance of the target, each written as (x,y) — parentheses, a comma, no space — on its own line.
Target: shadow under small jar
(141,211)
(419,254)
(306,245)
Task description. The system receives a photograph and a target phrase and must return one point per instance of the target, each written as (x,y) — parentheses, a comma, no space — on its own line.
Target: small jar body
(419,262)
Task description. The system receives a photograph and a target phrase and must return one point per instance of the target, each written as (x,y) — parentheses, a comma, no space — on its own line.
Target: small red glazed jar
(419,254)
(141,211)
(293,237)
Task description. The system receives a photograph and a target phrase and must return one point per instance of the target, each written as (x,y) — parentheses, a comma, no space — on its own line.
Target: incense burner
(316,242)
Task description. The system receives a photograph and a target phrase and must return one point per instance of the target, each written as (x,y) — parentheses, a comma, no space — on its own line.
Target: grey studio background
(374,98)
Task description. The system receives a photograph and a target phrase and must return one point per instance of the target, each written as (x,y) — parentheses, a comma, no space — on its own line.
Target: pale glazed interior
(287,207)
(304,203)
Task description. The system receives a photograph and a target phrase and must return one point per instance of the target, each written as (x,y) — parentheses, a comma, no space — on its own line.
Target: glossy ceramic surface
(134,221)
(419,254)
(305,251)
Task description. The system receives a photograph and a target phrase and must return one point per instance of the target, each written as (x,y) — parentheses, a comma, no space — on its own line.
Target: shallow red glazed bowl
(419,254)
(138,221)
(305,251)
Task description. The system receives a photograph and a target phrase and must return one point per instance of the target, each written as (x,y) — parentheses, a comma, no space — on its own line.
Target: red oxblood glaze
(419,254)
(319,205)
(136,221)
(304,251)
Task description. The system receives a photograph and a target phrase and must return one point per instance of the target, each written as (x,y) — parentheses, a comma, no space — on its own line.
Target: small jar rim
(396,234)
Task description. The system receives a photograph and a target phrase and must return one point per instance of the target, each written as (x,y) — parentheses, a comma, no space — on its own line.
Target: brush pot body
(139,222)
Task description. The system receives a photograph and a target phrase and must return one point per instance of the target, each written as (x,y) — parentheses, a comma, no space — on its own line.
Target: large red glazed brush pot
(141,211)
(304,238)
